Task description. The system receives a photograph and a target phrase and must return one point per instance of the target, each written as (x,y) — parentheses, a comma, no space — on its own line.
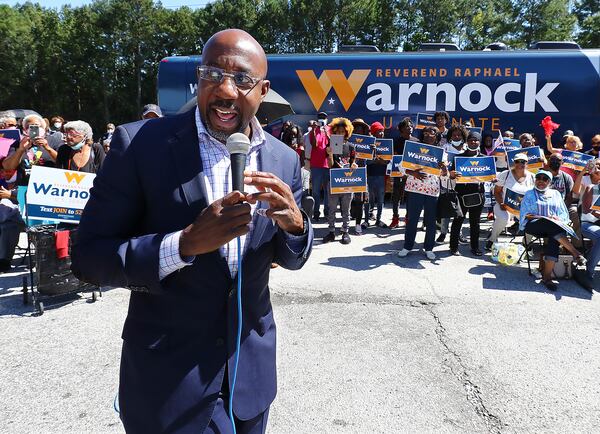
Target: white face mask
(57,125)
(110,131)
(456,143)
(294,141)
(542,190)
(473,146)
(322,122)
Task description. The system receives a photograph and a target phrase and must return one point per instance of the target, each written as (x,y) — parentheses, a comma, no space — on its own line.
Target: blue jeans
(415,203)
(320,179)
(376,192)
(592,232)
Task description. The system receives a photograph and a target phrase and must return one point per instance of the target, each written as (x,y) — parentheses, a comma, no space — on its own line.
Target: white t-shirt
(589,217)
(506,180)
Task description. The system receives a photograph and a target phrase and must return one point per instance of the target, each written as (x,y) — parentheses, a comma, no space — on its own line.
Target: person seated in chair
(544,214)
(11,222)
(590,224)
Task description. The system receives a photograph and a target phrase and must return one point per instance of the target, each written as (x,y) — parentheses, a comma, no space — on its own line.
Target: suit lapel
(185,150)
(269,159)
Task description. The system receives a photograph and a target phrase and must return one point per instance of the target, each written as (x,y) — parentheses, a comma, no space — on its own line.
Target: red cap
(376,127)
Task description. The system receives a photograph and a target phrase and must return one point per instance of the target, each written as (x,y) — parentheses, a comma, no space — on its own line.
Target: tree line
(99,62)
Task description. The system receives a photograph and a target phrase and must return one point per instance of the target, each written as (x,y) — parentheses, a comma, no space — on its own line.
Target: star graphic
(331,101)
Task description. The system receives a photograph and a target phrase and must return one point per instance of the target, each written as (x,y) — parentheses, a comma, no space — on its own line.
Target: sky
(58,3)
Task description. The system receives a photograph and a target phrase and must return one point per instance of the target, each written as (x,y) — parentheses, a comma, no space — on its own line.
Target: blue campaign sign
(363,145)
(396,171)
(596,204)
(512,200)
(475,130)
(425,120)
(575,160)
(10,134)
(534,155)
(420,156)
(507,145)
(348,180)
(384,149)
(475,169)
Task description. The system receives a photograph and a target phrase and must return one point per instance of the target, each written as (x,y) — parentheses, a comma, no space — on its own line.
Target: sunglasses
(215,75)
(520,162)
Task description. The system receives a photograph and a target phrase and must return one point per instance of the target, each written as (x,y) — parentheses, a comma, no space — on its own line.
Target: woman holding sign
(470,197)
(544,214)
(516,181)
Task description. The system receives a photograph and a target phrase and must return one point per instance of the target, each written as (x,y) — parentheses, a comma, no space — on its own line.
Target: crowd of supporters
(557,201)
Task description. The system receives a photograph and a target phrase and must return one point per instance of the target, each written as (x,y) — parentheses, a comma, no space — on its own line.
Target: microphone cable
(238,339)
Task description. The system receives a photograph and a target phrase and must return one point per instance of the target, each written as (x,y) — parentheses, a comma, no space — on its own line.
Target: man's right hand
(220,222)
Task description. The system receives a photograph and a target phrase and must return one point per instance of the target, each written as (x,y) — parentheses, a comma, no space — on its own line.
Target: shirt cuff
(297,243)
(169,258)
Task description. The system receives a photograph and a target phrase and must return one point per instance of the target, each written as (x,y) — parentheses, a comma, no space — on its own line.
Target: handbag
(472,200)
(447,205)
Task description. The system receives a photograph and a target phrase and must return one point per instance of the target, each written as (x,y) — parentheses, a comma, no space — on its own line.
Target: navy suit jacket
(180,332)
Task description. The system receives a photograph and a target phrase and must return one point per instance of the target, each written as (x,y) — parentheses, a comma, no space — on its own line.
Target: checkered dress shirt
(217,178)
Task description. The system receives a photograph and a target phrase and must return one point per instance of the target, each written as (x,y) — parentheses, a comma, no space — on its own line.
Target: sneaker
(380,224)
(488,245)
(358,230)
(329,237)
(551,285)
(345,238)
(441,238)
(394,223)
(476,252)
(536,273)
(364,225)
(430,255)
(403,253)
(581,261)
(462,240)
(454,252)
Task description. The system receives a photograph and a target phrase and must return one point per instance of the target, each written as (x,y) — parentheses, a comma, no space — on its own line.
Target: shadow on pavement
(517,279)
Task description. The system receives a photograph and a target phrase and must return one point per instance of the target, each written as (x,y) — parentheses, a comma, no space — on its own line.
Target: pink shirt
(318,153)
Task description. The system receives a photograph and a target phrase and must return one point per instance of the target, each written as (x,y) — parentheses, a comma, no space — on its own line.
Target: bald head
(238,43)
(229,97)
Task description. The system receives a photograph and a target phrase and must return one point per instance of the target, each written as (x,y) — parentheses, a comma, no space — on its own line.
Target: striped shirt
(547,204)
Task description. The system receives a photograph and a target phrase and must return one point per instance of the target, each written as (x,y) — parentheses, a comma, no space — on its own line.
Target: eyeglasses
(520,162)
(216,75)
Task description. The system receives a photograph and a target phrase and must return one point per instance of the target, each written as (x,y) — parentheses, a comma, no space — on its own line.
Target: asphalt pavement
(367,343)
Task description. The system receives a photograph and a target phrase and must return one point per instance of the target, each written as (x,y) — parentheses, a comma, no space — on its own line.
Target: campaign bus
(494,90)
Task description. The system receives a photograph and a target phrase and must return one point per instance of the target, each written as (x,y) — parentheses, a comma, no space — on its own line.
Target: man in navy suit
(162,220)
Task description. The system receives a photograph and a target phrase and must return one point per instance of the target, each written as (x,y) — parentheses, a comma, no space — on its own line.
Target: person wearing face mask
(519,180)
(56,124)
(11,222)
(572,143)
(80,153)
(542,209)
(107,137)
(595,150)
(293,138)
(470,198)
(456,139)
(31,151)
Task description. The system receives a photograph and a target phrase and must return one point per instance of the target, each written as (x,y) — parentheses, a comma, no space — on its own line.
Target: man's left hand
(279,196)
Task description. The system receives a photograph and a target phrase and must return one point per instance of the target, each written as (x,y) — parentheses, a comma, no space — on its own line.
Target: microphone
(238,145)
